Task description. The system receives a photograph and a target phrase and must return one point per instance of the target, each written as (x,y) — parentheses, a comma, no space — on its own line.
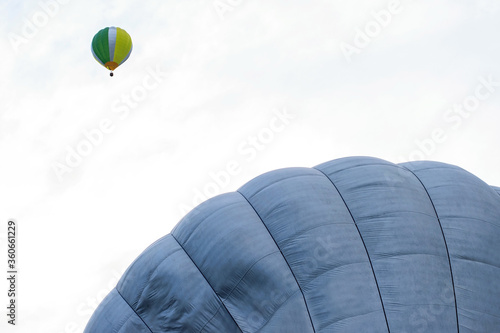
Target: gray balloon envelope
(353,245)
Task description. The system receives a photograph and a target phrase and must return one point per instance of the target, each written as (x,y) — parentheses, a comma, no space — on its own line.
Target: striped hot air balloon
(111,47)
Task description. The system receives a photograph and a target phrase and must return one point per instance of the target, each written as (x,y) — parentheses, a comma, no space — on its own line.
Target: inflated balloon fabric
(111,47)
(353,245)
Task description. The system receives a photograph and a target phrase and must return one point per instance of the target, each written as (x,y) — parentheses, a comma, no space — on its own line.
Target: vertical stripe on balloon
(112,42)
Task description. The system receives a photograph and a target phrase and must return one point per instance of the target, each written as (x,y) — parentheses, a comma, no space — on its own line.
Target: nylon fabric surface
(100,46)
(123,46)
(357,244)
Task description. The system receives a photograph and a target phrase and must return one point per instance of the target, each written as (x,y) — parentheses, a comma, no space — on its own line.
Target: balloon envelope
(352,245)
(111,47)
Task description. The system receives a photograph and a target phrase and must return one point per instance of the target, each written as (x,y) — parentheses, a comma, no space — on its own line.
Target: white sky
(223,77)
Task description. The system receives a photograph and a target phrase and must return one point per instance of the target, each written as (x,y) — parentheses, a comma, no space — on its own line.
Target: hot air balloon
(111,47)
(353,245)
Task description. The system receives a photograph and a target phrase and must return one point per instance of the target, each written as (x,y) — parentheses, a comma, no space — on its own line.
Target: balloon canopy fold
(357,244)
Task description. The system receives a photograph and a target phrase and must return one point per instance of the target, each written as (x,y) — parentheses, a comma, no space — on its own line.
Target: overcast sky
(94,168)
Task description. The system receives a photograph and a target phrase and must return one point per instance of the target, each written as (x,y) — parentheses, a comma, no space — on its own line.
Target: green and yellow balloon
(111,47)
